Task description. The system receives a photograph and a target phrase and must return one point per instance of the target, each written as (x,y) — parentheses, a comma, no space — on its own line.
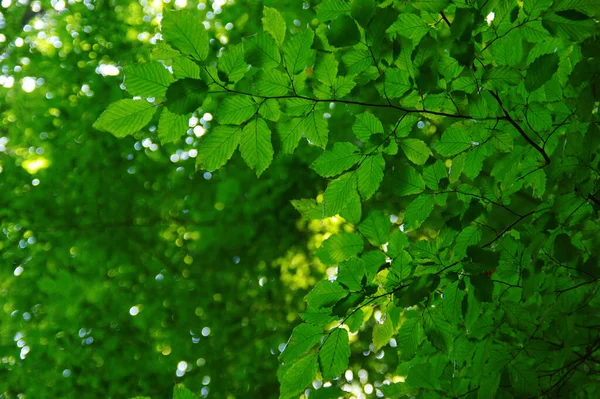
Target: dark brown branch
(520,129)
(510,226)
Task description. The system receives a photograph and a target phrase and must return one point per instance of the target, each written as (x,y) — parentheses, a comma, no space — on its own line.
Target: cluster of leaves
(482,135)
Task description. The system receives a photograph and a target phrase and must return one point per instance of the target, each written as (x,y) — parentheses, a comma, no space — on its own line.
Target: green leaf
(409,182)
(410,26)
(410,334)
(370,175)
(297,52)
(147,80)
(340,158)
(308,208)
(499,78)
(255,145)
(316,130)
(334,354)
(452,303)
(163,51)
(261,51)
(366,125)
(300,375)
(217,146)
(186,95)
(270,110)
(538,117)
(326,293)
(303,338)
(523,378)
(351,274)
(326,70)
(184,31)
(290,133)
(376,228)
(171,126)
(343,246)
(569,29)
(398,241)
(339,193)
(274,24)
(357,61)
(183,67)
(125,117)
(331,9)
(420,289)
(396,83)
(417,211)
(433,6)
(454,141)
(363,11)
(401,265)
(232,63)
(272,83)
(382,333)
(422,376)
(415,150)
(540,71)
(534,8)
(236,110)
(432,174)
(180,392)
(343,32)
(468,237)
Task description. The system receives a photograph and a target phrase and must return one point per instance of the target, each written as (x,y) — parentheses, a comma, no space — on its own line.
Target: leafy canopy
(460,144)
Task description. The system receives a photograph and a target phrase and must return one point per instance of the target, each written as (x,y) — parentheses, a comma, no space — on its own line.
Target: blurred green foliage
(438,160)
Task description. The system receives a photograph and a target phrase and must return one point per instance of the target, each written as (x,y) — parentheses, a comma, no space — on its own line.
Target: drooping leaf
(299,375)
(370,175)
(255,145)
(382,333)
(171,126)
(217,146)
(339,193)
